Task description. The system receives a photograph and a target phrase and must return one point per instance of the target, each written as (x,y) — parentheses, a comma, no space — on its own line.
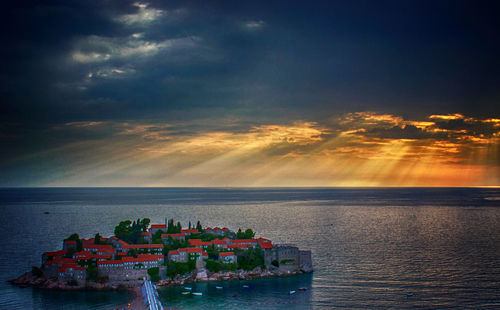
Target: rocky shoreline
(204,276)
(29,280)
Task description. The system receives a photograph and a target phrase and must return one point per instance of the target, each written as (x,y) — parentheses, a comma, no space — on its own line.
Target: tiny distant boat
(292,292)
(46,212)
(245,286)
(185,293)
(197,293)
(409,295)
(218,287)
(303,289)
(188,288)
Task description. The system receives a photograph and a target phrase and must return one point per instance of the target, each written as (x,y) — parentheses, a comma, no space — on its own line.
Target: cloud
(96,49)
(111,73)
(254,25)
(143,16)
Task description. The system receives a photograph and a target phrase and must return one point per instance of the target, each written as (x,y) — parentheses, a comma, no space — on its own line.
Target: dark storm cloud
(218,65)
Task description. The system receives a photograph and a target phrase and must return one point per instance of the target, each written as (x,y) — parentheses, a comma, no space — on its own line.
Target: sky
(250,93)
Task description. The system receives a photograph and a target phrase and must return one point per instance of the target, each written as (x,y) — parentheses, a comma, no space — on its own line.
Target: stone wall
(120,274)
(305,260)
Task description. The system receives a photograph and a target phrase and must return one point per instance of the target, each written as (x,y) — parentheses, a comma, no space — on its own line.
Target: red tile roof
(238,246)
(143,246)
(244,241)
(189,231)
(142,258)
(266,245)
(56,253)
(173,252)
(97,246)
(195,241)
(158,226)
(70,241)
(194,250)
(226,254)
(173,235)
(114,262)
(218,241)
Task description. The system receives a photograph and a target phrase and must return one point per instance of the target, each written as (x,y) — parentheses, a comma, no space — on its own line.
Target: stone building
(288,257)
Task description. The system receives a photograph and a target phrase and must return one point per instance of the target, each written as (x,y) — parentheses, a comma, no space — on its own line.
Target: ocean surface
(427,248)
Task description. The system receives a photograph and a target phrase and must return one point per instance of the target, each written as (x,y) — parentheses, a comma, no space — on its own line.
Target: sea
(372,248)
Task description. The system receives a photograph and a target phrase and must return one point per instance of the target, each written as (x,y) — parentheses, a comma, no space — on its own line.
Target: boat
(292,292)
(185,293)
(197,293)
(188,288)
(303,289)
(46,212)
(245,286)
(219,287)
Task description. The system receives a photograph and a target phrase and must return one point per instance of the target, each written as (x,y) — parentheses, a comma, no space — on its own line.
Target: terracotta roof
(143,246)
(195,241)
(145,233)
(238,246)
(158,226)
(173,235)
(114,262)
(226,254)
(97,246)
(266,245)
(173,252)
(244,241)
(70,241)
(194,250)
(218,241)
(56,253)
(141,259)
(189,230)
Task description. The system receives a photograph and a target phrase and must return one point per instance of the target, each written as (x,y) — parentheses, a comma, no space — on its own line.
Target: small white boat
(219,287)
(197,293)
(188,288)
(185,293)
(292,292)
(245,286)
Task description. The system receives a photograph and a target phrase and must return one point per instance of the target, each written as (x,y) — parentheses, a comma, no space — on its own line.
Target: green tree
(37,272)
(131,231)
(247,234)
(97,239)
(250,259)
(76,238)
(154,273)
(199,227)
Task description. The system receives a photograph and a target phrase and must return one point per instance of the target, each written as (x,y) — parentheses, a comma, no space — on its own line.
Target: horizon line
(248,187)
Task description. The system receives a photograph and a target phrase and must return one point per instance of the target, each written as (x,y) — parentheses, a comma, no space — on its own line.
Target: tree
(154,273)
(76,238)
(199,227)
(131,231)
(97,239)
(248,234)
(37,272)
(250,259)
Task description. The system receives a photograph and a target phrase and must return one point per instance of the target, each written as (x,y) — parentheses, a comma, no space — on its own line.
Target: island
(166,254)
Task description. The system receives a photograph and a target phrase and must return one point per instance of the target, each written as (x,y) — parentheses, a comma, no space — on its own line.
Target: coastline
(136,303)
